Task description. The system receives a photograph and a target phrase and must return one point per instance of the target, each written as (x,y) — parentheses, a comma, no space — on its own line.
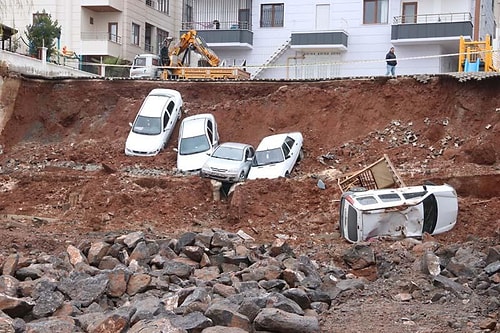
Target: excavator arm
(188,40)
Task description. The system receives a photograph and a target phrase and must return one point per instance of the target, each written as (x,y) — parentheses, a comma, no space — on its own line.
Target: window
(367,200)
(272,15)
(389,197)
(210,131)
(38,16)
(91,20)
(164,6)
(135,33)
(113,31)
(375,11)
(409,12)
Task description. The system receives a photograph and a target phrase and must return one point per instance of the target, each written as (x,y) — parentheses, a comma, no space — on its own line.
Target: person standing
(391,62)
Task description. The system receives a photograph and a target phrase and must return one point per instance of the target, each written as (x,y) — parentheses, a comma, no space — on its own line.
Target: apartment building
(290,39)
(322,39)
(94,29)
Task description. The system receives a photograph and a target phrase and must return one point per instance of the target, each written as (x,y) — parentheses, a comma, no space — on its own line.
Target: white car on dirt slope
(230,162)
(397,212)
(198,137)
(277,155)
(154,123)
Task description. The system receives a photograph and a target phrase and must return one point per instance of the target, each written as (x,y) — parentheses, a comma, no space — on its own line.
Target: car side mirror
(175,149)
(130,124)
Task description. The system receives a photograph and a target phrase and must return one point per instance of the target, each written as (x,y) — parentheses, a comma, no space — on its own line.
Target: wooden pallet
(380,174)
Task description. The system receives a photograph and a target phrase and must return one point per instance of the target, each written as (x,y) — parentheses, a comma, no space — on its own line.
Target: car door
(213,136)
(168,120)
(247,163)
(289,154)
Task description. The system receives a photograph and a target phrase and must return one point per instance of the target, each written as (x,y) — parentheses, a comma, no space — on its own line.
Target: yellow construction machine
(476,56)
(178,64)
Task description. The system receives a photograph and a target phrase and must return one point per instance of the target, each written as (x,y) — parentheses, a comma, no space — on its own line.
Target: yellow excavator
(176,66)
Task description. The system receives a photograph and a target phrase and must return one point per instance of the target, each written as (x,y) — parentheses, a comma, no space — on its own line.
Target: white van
(397,212)
(146,66)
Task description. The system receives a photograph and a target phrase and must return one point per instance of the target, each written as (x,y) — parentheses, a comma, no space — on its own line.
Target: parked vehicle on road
(146,66)
(198,137)
(398,212)
(230,162)
(154,123)
(276,156)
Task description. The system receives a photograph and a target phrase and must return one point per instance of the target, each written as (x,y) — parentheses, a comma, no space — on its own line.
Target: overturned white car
(397,212)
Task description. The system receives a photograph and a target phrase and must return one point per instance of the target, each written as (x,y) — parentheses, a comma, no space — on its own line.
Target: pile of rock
(221,282)
(213,281)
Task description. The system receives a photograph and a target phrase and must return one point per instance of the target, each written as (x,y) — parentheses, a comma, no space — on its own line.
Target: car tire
(287,174)
(301,155)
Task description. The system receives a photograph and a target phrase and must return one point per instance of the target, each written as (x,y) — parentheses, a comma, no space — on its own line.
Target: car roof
(156,100)
(275,141)
(234,145)
(420,192)
(195,125)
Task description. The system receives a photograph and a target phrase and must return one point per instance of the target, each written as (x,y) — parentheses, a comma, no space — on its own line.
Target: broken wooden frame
(380,174)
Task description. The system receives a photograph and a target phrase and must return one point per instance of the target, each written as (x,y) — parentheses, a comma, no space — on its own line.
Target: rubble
(134,283)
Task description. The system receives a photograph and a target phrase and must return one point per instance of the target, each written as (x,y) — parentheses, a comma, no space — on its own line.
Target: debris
(244,235)
(321,184)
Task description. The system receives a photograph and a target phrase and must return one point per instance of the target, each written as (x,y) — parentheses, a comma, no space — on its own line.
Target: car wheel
(301,155)
(287,174)
(241,177)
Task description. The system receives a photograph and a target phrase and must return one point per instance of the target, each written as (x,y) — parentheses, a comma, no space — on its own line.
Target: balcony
(101,43)
(223,34)
(432,29)
(103,5)
(335,41)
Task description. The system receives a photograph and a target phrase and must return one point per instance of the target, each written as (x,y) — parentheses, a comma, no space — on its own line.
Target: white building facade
(94,29)
(287,39)
(295,39)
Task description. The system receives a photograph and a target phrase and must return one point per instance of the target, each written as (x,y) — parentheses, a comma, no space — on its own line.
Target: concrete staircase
(285,46)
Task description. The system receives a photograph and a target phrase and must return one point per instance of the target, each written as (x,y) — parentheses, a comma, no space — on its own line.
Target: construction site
(65,179)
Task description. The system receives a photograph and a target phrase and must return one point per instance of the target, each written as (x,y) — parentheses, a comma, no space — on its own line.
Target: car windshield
(228,153)
(193,145)
(140,62)
(266,157)
(147,125)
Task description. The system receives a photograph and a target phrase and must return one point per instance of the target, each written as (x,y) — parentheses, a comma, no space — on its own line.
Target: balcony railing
(102,35)
(432,18)
(217,25)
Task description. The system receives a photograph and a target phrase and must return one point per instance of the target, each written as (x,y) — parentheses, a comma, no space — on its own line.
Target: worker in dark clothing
(391,62)
(165,59)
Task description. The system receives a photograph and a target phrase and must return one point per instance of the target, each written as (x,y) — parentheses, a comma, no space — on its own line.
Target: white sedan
(154,123)
(230,162)
(276,156)
(198,137)
(397,213)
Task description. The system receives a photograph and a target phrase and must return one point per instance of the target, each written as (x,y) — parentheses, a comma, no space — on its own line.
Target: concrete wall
(31,66)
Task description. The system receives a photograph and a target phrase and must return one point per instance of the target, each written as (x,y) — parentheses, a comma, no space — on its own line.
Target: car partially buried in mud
(397,212)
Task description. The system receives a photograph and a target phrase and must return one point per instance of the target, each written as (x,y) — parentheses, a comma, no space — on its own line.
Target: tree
(42,33)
